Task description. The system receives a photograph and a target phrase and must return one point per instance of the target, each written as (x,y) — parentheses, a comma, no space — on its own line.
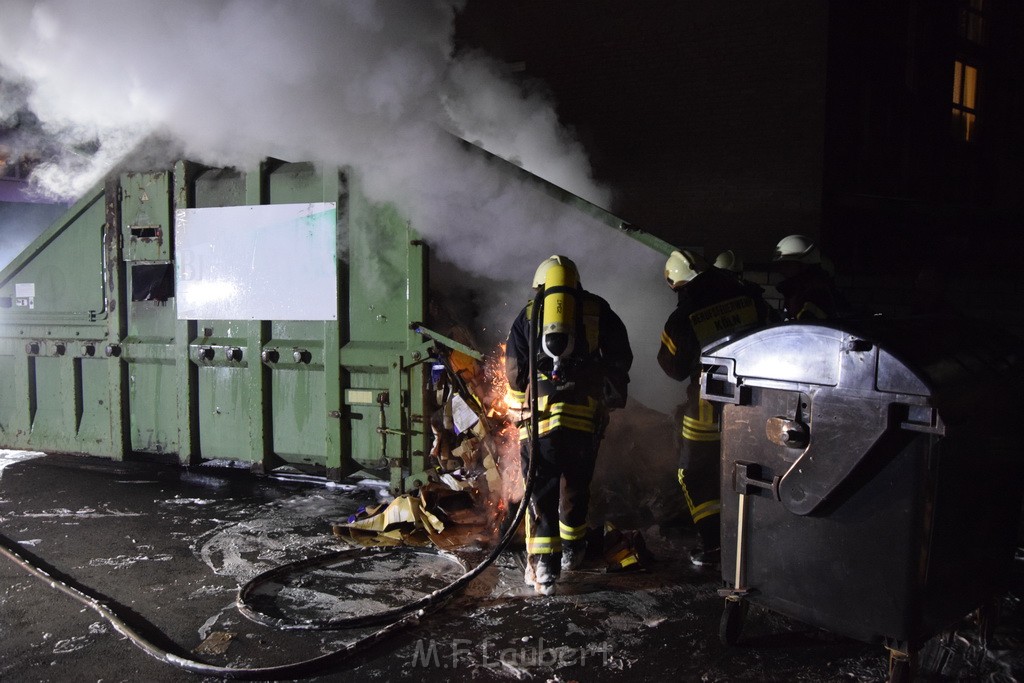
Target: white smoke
(516,125)
(362,83)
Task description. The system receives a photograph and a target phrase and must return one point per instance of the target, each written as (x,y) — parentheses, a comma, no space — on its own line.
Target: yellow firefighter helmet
(682,266)
(555,260)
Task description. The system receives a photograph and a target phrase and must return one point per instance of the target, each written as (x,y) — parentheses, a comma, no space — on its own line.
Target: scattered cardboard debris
(403,521)
(215,644)
(460,505)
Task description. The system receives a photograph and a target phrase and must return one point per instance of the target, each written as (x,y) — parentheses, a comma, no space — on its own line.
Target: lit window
(965,91)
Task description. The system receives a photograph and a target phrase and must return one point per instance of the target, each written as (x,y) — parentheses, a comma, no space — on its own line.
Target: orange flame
(499,396)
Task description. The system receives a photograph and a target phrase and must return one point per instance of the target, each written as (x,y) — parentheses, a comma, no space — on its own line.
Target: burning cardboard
(462,504)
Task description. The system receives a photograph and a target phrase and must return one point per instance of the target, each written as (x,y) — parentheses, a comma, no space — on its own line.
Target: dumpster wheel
(731,625)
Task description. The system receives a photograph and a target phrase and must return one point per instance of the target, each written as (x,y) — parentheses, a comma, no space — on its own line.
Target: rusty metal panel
(146,216)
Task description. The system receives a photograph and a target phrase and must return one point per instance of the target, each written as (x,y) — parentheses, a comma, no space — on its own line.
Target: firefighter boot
(706,557)
(707,554)
(542,572)
(573,553)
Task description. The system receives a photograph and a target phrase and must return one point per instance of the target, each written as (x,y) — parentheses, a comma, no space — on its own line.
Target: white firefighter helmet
(542,270)
(682,266)
(729,260)
(797,248)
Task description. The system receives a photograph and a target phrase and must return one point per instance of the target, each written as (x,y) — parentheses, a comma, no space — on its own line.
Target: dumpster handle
(718,381)
(738,591)
(741,520)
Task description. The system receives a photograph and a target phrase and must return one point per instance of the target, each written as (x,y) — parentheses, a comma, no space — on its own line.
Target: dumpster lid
(864,383)
(923,355)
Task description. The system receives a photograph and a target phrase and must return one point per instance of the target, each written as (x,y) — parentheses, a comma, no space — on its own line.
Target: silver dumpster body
(871,475)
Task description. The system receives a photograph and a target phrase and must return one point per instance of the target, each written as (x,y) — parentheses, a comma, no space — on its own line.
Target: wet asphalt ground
(168,547)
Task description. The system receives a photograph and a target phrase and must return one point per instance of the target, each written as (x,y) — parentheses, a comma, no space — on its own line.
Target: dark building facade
(924,139)
(891,130)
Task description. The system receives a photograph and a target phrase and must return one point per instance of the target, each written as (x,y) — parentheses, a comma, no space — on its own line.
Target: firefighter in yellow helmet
(582,361)
(808,289)
(712,304)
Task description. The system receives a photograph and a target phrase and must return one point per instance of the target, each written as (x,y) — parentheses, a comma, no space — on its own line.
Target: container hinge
(783,431)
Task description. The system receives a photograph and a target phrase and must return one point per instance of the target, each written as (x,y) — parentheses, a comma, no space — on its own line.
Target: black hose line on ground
(246,593)
(405,616)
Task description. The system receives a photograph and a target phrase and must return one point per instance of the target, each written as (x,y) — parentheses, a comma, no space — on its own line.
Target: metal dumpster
(210,314)
(871,485)
(269,317)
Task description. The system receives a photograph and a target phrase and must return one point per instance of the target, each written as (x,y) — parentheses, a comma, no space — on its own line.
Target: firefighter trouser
(699,464)
(561,492)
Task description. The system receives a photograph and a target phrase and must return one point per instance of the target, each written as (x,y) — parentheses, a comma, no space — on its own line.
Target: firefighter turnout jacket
(713,305)
(596,375)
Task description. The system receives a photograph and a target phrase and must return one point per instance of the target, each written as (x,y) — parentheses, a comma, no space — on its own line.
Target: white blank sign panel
(270,262)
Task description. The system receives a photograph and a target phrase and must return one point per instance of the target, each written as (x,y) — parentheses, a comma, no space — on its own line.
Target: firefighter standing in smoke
(712,305)
(583,360)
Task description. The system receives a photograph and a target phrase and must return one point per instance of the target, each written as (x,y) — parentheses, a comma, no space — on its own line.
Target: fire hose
(404,616)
